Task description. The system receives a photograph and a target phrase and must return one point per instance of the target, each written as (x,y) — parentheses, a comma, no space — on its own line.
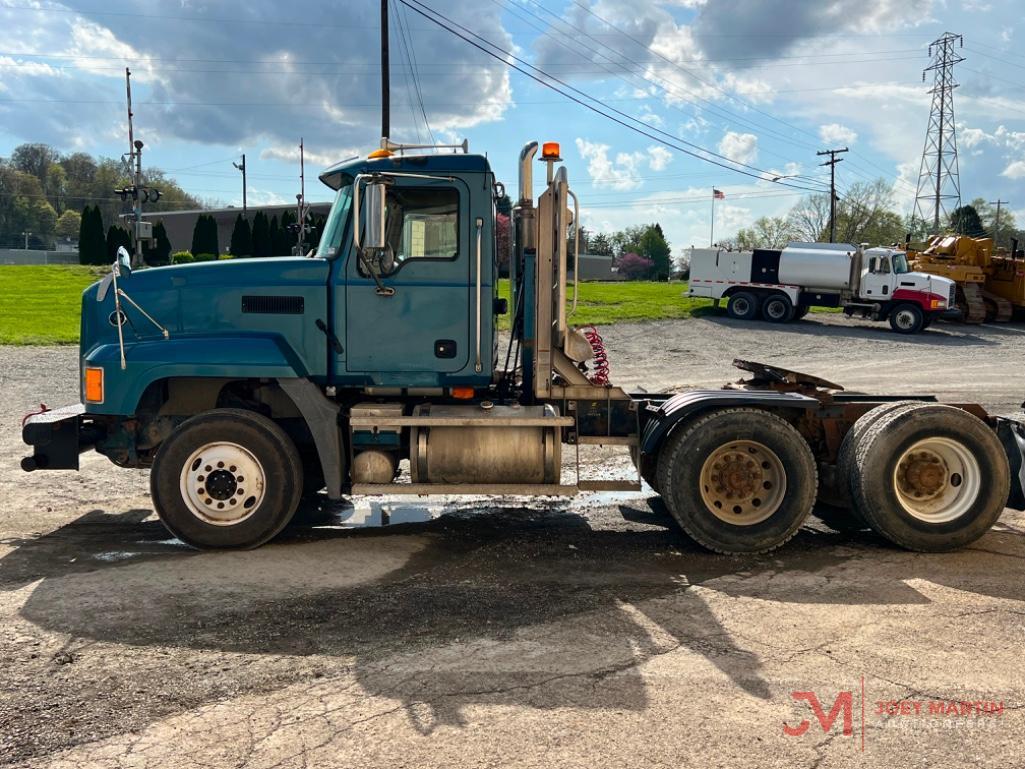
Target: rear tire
(777,308)
(930,477)
(738,480)
(743,305)
(801,312)
(227,478)
(907,318)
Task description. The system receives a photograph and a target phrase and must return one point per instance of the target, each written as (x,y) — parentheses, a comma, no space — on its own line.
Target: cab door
(418,329)
(877,278)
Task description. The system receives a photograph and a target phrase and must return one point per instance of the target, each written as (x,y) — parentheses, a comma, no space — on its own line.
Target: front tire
(907,318)
(226,478)
(930,477)
(743,305)
(738,480)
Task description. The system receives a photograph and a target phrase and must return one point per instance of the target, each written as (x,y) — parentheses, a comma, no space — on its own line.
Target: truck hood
(279,296)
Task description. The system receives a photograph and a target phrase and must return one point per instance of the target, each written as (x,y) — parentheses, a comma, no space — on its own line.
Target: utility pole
(301,209)
(242,168)
(385,84)
(833,160)
(996,225)
(938,178)
(135,153)
(140,230)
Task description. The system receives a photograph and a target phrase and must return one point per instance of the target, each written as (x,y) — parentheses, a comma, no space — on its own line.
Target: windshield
(334,227)
(900,264)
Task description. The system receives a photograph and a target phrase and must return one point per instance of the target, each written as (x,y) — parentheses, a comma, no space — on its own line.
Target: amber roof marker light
(550,155)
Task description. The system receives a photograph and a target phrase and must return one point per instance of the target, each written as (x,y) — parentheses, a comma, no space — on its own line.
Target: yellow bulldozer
(990,282)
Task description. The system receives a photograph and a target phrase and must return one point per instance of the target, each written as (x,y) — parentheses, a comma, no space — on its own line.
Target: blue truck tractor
(373,367)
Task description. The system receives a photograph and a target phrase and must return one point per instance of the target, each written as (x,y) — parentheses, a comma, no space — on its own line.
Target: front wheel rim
(905,319)
(937,480)
(222,483)
(743,483)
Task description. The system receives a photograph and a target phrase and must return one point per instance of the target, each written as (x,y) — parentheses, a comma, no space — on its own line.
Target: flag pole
(711,233)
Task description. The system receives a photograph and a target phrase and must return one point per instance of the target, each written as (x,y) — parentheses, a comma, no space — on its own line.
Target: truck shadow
(518,606)
(940,334)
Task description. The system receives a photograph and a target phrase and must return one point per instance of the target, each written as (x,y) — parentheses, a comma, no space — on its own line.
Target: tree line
(44,192)
(640,252)
(865,214)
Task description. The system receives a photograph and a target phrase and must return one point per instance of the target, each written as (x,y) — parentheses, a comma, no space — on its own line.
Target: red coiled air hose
(600,375)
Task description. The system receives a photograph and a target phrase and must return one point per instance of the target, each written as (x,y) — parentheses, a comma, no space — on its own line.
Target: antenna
(938,179)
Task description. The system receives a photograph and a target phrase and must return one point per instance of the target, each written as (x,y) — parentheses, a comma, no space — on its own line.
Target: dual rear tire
(926,477)
(748,305)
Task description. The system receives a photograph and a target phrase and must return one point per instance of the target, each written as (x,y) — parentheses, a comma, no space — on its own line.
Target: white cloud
(1015,170)
(835,133)
(241,73)
(618,174)
(623,171)
(739,147)
(659,157)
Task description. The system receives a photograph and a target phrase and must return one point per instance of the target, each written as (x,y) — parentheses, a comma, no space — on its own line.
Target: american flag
(718,194)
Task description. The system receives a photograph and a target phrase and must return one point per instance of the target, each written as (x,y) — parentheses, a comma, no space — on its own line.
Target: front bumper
(57,437)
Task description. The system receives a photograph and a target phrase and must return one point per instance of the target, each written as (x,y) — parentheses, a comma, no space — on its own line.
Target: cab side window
(422,223)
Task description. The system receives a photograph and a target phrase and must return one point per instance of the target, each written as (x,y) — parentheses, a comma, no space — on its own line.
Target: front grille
(274,305)
(952,299)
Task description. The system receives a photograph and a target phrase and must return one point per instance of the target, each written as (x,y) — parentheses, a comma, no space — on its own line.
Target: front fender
(248,356)
(663,417)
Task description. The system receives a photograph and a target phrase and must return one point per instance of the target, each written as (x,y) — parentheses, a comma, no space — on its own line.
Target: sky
(757,86)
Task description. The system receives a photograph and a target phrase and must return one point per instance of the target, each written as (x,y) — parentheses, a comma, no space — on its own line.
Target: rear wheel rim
(741,306)
(222,483)
(743,483)
(776,309)
(937,480)
(905,319)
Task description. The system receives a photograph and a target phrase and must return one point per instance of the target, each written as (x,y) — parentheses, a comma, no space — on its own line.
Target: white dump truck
(781,285)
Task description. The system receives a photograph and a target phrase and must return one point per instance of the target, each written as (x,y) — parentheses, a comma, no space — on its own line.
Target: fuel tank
(831,266)
(481,454)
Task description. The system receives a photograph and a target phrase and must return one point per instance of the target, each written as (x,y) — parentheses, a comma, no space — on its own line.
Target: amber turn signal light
(94,385)
(462,393)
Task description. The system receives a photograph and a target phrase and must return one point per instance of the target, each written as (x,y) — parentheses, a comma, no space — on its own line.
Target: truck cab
(887,279)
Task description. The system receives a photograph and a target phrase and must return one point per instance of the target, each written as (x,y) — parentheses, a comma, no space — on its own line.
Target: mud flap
(1011,433)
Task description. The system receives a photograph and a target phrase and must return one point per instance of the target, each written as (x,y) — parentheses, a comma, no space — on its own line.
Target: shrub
(634,266)
(182,257)
(204,257)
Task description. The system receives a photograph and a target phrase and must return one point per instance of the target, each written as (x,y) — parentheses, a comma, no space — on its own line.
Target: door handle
(478,365)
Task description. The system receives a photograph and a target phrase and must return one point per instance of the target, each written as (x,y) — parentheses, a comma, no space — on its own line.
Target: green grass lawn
(40,304)
(601,304)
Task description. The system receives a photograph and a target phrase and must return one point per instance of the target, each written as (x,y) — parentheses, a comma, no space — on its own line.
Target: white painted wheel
(743,483)
(222,484)
(937,480)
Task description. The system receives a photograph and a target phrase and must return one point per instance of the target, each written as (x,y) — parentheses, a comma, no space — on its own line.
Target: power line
(509,58)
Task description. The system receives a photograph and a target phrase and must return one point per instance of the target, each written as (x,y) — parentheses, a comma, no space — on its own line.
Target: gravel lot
(510,632)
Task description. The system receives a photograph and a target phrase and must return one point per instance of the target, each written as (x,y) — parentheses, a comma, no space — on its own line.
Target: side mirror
(373,221)
(123,265)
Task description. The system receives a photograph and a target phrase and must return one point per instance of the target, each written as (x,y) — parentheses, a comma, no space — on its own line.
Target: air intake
(274,305)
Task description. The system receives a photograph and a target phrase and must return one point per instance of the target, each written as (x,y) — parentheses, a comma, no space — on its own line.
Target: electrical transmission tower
(938,182)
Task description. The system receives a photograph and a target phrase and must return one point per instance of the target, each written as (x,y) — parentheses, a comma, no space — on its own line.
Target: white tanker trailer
(781,285)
